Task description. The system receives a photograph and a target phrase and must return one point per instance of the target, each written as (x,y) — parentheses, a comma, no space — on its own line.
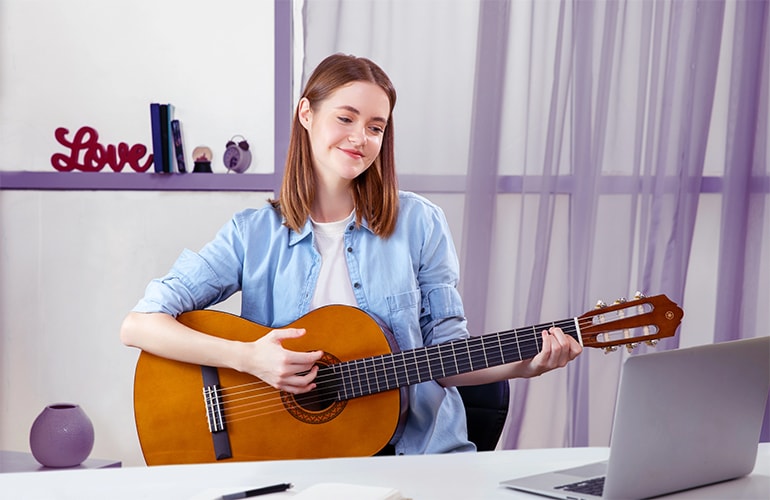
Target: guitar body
(171,413)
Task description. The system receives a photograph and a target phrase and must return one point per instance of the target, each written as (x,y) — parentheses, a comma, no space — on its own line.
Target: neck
(332,205)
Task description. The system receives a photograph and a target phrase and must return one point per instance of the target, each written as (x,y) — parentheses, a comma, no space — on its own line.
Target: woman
(340,232)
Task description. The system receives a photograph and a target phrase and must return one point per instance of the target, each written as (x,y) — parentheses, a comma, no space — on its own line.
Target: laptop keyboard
(593,486)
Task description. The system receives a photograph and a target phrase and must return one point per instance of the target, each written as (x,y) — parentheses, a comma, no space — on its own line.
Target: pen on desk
(275,488)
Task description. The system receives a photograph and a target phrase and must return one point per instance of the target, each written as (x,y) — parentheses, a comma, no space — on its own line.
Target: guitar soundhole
(321,404)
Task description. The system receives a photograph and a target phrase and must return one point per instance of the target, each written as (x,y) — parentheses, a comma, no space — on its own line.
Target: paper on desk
(346,491)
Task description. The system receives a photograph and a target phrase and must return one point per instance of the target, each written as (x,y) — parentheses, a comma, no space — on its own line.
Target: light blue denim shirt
(408,281)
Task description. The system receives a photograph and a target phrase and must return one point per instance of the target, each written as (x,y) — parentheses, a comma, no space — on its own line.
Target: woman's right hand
(162,335)
(286,370)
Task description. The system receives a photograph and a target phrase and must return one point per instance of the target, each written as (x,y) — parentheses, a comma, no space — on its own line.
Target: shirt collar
(307,230)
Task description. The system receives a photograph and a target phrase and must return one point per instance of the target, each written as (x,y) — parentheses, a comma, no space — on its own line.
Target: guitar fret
(534,337)
(436,360)
(361,375)
(378,372)
(463,363)
(355,380)
(391,371)
(413,367)
(500,347)
(518,346)
(351,380)
(374,373)
(336,377)
(468,347)
(423,364)
(468,355)
(407,375)
(359,387)
(368,375)
(406,369)
(343,376)
(492,356)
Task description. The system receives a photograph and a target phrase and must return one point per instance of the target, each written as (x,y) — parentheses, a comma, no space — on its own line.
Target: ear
(304,112)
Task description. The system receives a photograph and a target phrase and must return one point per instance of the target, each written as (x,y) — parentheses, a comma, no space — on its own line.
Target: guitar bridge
(214,415)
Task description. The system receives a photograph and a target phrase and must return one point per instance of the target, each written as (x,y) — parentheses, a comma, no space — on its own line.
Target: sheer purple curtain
(745,200)
(593,148)
(743,274)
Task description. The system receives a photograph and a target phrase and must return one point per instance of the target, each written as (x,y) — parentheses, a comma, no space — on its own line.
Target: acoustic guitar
(196,414)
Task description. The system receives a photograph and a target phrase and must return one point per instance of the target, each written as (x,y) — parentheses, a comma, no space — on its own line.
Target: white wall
(73,263)
(86,62)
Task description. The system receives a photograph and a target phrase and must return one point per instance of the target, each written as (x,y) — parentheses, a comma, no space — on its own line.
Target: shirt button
(350,249)
(356,285)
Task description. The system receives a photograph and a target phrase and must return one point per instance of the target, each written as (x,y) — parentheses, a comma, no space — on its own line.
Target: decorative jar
(61,436)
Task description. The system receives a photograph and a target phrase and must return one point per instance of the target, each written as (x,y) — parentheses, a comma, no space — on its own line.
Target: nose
(358,137)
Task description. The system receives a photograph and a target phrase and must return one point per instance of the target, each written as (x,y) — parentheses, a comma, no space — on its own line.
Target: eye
(377,130)
(344,119)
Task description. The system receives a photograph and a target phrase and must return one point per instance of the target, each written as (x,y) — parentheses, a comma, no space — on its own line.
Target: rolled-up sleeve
(198,279)
(443,316)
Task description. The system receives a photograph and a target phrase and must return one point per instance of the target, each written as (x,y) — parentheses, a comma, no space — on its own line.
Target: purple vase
(61,436)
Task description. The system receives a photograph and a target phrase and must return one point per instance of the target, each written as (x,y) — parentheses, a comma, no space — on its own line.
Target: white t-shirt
(334,286)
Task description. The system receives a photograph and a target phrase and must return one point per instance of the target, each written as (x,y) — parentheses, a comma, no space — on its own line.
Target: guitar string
(236,410)
(275,394)
(512,341)
(270,402)
(268,399)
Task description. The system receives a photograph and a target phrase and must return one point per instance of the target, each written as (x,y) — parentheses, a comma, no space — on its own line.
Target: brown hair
(375,191)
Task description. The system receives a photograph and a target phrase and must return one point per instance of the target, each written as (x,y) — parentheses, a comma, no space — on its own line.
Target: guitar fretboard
(362,377)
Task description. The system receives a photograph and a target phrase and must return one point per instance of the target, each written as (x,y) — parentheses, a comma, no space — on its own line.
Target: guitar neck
(361,377)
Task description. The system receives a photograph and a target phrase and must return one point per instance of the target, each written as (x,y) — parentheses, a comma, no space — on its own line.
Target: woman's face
(346,130)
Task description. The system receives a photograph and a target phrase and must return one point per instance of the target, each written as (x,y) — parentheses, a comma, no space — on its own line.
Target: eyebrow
(355,111)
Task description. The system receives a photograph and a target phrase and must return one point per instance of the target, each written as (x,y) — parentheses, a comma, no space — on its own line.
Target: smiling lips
(352,152)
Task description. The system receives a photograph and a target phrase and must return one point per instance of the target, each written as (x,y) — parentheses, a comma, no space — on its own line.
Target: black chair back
(486,408)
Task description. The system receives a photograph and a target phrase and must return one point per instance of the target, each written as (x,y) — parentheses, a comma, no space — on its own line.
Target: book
(157,138)
(165,138)
(170,141)
(176,135)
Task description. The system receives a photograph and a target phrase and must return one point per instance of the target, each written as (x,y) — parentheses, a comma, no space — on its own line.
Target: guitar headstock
(630,322)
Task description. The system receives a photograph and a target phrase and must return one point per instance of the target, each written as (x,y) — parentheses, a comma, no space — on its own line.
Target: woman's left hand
(558,349)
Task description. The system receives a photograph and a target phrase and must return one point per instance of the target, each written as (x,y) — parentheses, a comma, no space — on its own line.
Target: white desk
(20,461)
(457,476)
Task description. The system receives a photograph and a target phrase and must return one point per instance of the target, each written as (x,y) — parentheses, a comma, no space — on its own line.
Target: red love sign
(88,155)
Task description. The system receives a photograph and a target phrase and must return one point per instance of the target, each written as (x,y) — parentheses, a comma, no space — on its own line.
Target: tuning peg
(639,295)
(652,343)
(610,349)
(621,300)
(600,305)
(630,347)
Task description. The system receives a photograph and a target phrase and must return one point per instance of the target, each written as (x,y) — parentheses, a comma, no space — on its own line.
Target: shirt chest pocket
(404,318)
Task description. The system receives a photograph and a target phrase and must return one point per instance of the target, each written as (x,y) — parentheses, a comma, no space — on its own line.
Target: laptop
(684,418)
